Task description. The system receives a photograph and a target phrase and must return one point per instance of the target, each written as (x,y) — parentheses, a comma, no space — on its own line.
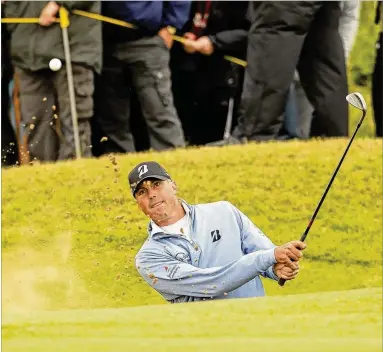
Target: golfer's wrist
(273,274)
(268,257)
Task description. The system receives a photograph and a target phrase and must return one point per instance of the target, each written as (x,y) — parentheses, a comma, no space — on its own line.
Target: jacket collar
(154,230)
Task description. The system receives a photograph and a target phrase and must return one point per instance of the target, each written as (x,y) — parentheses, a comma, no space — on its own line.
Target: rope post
(229,119)
(64,24)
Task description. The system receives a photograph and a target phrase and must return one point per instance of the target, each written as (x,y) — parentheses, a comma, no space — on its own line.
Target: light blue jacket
(224,258)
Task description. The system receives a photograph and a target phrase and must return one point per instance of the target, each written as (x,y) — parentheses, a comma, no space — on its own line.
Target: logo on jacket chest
(183,257)
(215,235)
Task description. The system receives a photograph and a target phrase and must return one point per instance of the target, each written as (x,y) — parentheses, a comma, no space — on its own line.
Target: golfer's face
(157,198)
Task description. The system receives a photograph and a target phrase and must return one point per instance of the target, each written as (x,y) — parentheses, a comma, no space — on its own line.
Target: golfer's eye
(141,192)
(156,184)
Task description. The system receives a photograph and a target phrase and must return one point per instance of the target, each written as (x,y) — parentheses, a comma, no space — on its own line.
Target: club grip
(281,282)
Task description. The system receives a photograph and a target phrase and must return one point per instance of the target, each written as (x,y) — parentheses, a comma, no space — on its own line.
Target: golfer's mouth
(156,204)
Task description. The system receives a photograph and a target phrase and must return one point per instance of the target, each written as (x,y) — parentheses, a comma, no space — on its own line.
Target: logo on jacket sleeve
(215,235)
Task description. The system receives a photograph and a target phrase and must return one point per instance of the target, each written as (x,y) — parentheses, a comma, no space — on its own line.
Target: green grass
(71,230)
(337,321)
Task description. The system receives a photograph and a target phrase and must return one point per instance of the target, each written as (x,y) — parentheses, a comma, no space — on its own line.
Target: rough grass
(71,230)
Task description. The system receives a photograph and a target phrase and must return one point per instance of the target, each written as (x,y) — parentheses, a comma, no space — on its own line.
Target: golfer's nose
(151,193)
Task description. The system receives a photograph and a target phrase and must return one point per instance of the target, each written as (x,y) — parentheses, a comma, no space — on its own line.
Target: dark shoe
(285,137)
(229,141)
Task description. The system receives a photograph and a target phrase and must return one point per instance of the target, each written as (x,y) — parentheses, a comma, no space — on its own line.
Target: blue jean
(298,111)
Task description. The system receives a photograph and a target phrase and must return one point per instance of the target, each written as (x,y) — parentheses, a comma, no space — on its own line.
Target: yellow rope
(103,18)
(226,57)
(23,20)
(236,60)
(65,23)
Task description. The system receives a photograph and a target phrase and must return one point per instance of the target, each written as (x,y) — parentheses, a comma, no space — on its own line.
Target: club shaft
(303,237)
(331,181)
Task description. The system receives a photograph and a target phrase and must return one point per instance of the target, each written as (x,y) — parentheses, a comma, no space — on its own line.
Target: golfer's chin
(159,216)
(162,213)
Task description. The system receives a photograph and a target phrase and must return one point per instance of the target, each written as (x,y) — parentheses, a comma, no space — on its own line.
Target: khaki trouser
(46,120)
(143,64)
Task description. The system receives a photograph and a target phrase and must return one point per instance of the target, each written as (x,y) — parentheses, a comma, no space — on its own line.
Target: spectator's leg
(212,110)
(38,125)
(149,60)
(304,111)
(290,118)
(377,94)
(96,133)
(183,89)
(322,73)
(138,124)
(113,107)
(218,85)
(84,87)
(274,43)
(9,150)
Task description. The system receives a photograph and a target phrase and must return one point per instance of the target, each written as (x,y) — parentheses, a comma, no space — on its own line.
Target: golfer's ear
(175,188)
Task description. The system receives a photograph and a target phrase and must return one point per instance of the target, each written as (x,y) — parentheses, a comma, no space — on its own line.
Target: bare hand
(289,253)
(48,14)
(204,45)
(189,42)
(166,36)
(285,272)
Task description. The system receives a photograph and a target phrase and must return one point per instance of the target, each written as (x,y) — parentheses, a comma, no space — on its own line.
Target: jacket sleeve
(77,5)
(348,24)
(176,13)
(11,9)
(172,277)
(233,35)
(253,240)
(230,40)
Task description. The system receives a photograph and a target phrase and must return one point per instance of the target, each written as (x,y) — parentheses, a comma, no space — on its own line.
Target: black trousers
(9,149)
(202,103)
(285,36)
(377,82)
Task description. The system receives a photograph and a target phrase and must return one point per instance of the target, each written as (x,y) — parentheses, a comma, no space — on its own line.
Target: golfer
(204,251)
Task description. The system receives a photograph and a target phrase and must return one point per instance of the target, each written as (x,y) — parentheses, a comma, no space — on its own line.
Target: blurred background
(162,75)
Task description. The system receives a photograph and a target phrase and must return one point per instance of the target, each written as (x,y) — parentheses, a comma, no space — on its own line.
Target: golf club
(357,100)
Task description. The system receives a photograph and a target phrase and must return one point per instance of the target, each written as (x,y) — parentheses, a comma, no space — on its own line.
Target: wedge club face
(356,99)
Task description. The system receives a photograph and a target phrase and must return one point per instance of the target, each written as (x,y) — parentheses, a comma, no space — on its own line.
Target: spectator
(203,81)
(348,26)
(44,94)
(9,150)
(283,36)
(377,76)
(139,58)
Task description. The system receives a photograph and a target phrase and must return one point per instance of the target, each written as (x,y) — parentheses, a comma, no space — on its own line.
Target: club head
(356,99)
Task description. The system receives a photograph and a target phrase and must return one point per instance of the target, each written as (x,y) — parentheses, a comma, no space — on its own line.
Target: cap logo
(143,169)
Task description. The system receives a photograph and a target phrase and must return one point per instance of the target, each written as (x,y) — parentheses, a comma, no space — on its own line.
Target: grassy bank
(71,230)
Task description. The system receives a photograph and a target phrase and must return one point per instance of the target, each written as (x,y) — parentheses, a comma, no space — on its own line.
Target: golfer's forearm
(187,280)
(244,270)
